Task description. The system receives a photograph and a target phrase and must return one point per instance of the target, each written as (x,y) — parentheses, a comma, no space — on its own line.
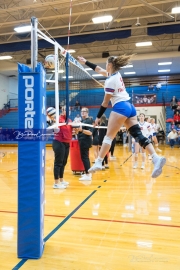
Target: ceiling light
(165,63)
(127,73)
(5,57)
(164,70)
(102,19)
(23,29)
(175,10)
(71,51)
(88,68)
(70,77)
(147,43)
(97,75)
(128,66)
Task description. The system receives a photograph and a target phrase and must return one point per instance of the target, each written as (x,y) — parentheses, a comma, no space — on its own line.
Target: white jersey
(154,128)
(114,86)
(144,128)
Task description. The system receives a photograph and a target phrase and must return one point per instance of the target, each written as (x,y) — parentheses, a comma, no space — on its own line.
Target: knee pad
(107,140)
(136,133)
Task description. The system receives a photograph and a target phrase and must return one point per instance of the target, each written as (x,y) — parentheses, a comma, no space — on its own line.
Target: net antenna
(69,28)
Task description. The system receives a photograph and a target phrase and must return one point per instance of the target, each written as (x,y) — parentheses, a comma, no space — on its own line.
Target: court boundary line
(106,220)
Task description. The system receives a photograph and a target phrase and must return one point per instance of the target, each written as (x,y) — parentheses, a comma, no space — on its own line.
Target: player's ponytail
(120,61)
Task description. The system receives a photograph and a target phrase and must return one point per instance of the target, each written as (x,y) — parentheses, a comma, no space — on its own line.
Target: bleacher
(10,120)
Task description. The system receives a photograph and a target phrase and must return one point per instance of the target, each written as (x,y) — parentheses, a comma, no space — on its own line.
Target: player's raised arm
(95,67)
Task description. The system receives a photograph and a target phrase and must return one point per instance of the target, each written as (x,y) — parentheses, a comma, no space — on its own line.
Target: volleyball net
(68,79)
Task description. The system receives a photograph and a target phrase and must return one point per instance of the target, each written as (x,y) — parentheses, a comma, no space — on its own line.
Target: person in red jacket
(60,145)
(176,118)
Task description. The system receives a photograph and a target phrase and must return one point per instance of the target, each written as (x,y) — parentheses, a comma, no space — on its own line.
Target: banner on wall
(144,99)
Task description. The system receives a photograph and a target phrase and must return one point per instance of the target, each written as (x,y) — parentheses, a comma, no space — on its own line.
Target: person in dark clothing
(77,106)
(85,142)
(174,103)
(177,110)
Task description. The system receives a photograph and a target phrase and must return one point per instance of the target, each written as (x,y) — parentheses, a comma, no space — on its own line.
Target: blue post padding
(31,162)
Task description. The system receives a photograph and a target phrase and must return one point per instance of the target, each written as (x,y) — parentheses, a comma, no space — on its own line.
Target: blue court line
(68,217)
(20,264)
(173,167)
(57,227)
(126,160)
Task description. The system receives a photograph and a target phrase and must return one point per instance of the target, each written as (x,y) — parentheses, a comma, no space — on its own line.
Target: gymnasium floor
(123,219)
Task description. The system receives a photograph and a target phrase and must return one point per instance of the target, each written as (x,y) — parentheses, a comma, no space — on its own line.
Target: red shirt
(65,133)
(176,118)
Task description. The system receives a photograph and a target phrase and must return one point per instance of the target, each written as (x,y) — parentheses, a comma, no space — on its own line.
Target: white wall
(8,90)
(4,90)
(13,88)
(13,92)
(151,111)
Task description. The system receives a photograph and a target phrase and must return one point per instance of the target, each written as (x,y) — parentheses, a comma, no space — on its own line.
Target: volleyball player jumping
(123,112)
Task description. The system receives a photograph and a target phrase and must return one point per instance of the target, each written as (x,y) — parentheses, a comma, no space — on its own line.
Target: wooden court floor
(123,220)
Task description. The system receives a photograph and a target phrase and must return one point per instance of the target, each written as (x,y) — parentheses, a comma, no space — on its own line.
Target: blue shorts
(125,108)
(154,134)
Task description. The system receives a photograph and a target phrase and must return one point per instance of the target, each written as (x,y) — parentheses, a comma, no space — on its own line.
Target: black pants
(85,158)
(61,152)
(112,147)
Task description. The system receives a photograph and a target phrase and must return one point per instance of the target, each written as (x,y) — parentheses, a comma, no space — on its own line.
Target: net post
(67,86)
(56,83)
(31,166)
(34,43)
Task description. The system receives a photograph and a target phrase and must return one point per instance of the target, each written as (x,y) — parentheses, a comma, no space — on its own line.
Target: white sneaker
(150,158)
(158,162)
(60,186)
(103,167)
(142,166)
(65,183)
(96,167)
(86,177)
(135,166)
(106,166)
